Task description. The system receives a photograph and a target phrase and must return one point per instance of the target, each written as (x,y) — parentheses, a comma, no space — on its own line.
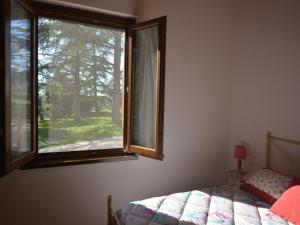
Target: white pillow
(270,182)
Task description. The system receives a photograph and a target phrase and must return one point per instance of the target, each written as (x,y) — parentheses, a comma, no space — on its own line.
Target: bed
(214,205)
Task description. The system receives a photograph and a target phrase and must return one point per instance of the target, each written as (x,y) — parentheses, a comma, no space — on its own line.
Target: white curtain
(145,85)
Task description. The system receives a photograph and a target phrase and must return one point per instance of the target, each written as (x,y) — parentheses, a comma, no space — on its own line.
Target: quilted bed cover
(215,205)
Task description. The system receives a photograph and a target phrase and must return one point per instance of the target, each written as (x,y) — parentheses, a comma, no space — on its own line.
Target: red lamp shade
(240,152)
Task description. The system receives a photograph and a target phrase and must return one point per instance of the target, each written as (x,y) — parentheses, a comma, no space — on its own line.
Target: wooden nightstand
(234,177)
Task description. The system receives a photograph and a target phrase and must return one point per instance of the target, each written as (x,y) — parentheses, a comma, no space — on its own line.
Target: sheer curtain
(145,86)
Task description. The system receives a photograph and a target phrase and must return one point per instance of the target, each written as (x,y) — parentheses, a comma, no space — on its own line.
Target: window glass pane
(20,81)
(80,86)
(145,71)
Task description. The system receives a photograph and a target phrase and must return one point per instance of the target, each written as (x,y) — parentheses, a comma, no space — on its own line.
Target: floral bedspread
(216,205)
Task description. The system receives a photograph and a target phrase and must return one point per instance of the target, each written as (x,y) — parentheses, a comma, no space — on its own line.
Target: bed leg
(112,218)
(109,212)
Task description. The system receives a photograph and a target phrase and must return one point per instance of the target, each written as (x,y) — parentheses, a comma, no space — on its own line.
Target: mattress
(214,205)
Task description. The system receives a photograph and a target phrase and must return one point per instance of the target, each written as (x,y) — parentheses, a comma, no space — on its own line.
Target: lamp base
(239,165)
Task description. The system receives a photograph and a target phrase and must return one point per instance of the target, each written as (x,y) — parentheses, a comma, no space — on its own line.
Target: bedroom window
(79,86)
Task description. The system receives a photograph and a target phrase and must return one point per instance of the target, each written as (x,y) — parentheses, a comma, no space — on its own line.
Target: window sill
(84,157)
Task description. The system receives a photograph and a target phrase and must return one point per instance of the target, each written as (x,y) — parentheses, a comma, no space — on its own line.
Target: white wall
(266,76)
(232,73)
(198,72)
(123,6)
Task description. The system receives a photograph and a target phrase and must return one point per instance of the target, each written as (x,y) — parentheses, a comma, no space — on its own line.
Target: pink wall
(198,72)
(266,76)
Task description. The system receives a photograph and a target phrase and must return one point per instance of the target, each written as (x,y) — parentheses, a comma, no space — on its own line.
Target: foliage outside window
(80,86)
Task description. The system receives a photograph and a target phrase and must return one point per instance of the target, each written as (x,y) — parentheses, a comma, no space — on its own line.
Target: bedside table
(234,177)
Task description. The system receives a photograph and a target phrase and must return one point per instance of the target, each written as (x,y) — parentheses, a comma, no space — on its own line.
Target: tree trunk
(116,98)
(77,87)
(41,109)
(95,81)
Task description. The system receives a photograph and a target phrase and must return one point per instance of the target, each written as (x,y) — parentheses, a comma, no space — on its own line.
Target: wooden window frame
(2,69)
(38,160)
(8,163)
(157,151)
(88,18)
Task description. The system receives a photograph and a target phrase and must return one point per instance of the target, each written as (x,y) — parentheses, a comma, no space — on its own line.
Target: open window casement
(18,83)
(144,63)
(147,42)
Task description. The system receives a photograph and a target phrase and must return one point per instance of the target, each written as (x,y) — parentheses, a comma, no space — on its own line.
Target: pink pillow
(254,190)
(288,205)
(266,184)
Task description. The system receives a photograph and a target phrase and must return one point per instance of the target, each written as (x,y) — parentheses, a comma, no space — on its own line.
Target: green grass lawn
(67,131)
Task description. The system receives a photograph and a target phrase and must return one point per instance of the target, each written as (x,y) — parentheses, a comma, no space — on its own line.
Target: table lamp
(240,154)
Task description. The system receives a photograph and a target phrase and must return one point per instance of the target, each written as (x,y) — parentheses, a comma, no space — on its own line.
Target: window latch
(126,148)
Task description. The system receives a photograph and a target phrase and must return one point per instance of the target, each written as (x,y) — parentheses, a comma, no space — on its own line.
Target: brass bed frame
(113,220)
(269,140)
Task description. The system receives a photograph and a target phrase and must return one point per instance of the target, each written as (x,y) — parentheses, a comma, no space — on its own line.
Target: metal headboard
(271,138)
